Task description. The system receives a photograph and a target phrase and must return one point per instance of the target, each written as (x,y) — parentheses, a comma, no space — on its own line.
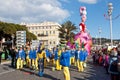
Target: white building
(47,32)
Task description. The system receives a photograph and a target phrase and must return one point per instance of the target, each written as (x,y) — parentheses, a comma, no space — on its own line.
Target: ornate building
(47,32)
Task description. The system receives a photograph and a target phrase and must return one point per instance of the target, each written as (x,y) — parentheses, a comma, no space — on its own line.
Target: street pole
(110,8)
(100,35)
(96,40)
(12,41)
(111,30)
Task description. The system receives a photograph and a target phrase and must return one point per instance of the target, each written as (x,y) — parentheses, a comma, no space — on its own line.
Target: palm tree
(67,30)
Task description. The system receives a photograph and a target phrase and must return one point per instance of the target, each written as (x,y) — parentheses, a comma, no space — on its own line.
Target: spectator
(13,55)
(106,61)
(0,54)
(113,70)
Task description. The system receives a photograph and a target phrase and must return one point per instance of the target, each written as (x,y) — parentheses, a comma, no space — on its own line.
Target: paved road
(92,72)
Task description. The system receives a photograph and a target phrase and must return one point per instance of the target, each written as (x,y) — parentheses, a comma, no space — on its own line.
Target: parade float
(83,37)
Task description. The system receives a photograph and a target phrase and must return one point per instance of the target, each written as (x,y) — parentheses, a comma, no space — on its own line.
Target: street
(92,72)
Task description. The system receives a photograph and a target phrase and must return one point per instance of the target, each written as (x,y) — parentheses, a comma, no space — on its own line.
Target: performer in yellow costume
(20,58)
(58,66)
(41,56)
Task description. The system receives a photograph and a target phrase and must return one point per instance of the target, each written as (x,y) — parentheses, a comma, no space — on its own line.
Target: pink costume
(83,36)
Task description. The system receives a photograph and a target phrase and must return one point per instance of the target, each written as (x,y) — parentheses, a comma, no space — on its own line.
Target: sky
(36,11)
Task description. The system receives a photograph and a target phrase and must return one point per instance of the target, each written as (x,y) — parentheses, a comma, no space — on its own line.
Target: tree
(8,29)
(66,32)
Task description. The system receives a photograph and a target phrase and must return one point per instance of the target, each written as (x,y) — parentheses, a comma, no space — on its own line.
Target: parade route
(5,68)
(92,72)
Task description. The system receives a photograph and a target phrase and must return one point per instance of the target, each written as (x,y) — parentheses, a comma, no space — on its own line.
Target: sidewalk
(5,62)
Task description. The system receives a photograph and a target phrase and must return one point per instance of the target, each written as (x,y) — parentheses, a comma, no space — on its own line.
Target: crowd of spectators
(109,58)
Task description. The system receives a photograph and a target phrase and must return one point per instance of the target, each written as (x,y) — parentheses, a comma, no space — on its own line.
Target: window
(46,42)
(50,32)
(46,32)
(50,42)
(48,27)
(32,27)
(44,27)
(53,32)
(43,32)
(54,42)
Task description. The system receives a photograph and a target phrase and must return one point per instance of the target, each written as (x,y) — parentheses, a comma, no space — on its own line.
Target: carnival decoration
(83,37)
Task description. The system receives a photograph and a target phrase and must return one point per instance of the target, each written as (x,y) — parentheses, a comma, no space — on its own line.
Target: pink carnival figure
(83,36)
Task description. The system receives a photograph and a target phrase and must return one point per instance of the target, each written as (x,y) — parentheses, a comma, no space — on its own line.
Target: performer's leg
(45,63)
(18,63)
(53,61)
(36,64)
(78,65)
(21,63)
(57,64)
(33,63)
(75,64)
(66,73)
(81,66)
(27,62)
(41,67)
(72,60)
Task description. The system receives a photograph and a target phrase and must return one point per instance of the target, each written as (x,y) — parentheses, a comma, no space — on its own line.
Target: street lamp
(110,9)
(100,34)
(12,40)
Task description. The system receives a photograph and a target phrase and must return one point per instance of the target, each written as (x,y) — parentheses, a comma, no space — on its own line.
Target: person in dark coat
(113,68)
(0,54)
(13,52)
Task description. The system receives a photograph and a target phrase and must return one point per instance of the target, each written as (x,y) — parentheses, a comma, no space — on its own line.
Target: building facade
(46,32)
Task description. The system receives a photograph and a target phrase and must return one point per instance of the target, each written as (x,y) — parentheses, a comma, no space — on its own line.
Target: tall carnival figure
(83,37)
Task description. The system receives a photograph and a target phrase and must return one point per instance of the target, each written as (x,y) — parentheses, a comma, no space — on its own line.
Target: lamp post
(100,34)
(110,9)
(12,41)
(96,40)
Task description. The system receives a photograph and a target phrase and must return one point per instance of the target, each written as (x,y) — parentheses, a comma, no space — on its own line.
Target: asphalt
(92,72)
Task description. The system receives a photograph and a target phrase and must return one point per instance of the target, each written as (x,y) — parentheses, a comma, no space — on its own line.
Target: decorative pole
(100,34)
(110,9)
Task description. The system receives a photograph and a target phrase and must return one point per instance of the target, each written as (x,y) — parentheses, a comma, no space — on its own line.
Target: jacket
(21,54)
(30,53)
(82,55)
(76,55)
(56,54)
(34,54)
(72,53)
(65,59)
